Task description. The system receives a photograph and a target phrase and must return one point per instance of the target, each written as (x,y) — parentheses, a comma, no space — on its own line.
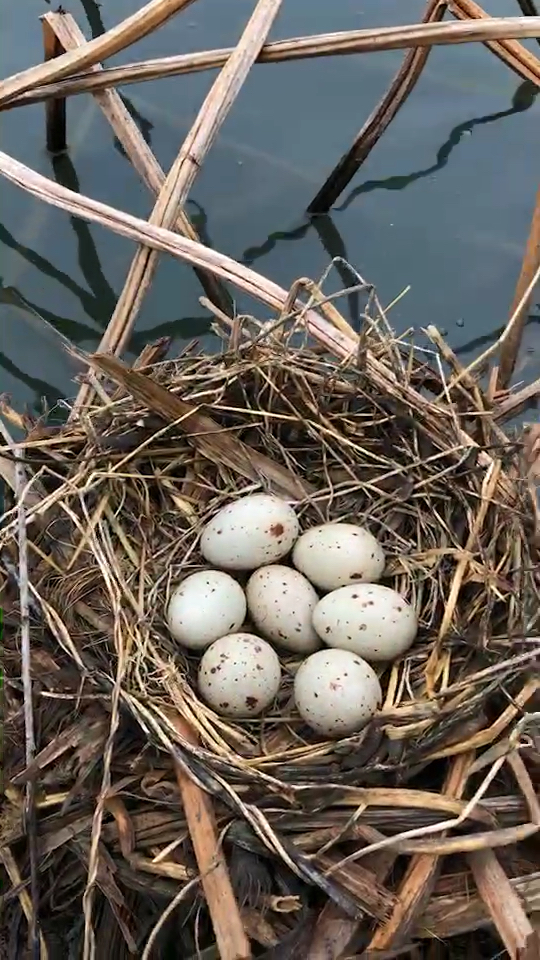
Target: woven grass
(312,831)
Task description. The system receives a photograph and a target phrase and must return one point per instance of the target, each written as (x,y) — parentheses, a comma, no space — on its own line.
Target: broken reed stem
(419,880)
(231,940)
(13,872)
(334,930)
(514,54)
(133,28)
(181,177)
(521,302)
(488,30)
(402,85)
(501,900)
(55,110)
(70,37)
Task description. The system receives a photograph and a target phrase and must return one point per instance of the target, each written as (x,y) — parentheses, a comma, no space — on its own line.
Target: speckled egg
(250,532)
(281,603)
(239,675)
(368,619)
(336,692)
(204,607)
(335,554)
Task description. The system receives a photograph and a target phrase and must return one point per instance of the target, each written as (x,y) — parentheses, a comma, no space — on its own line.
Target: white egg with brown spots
(281,603)
(205,606)
(333,555)
(336,692)
(239,675)
(252,531)
(369,619)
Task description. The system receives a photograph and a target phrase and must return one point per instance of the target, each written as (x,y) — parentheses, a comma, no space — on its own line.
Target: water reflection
(97,300)
(87,255)
(37,260)
(40,388)
(523,99)
(478,344)
(93,15)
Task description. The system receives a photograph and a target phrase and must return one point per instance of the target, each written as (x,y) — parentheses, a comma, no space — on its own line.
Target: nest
(187,831)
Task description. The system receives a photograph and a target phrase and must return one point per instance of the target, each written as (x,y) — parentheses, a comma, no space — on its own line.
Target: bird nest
(144,797)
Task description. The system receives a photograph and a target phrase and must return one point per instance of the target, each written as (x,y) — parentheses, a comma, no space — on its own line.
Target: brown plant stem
(70,37)
(514,54)
(133,28)
(231,938)
(402,85)
(180,179)
(521,303)
(489,30)
(55,110)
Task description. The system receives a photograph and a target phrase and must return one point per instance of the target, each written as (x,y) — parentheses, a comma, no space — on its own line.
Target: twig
(507,332)
(70,37)
(454,914)
(169,910)
(133,28)
(521,302)
(301,48)
(515,761)
(176,187)
(14,875)
(514,54)
(402,85)
(55,110)
(516,401)
(26,671)
(334,930)
(231,939)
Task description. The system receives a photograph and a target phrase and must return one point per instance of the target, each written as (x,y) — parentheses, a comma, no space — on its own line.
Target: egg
(371,620)
(281,603)
(250,532)
(205,606)
(239,675)
(336,692)
(335,554)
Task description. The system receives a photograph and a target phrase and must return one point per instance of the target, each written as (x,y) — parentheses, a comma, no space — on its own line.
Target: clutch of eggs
(358,620)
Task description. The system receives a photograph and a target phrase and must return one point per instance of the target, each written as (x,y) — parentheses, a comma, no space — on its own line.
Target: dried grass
(377,438)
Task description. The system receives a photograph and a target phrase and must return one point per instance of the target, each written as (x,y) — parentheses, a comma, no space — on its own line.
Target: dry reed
(489,31)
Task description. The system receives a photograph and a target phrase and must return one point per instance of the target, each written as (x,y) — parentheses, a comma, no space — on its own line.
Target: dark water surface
(443,204)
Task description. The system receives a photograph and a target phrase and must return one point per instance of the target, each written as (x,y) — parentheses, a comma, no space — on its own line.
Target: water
(443,203)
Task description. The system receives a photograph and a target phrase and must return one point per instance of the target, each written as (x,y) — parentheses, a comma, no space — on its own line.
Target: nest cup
(379,441)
